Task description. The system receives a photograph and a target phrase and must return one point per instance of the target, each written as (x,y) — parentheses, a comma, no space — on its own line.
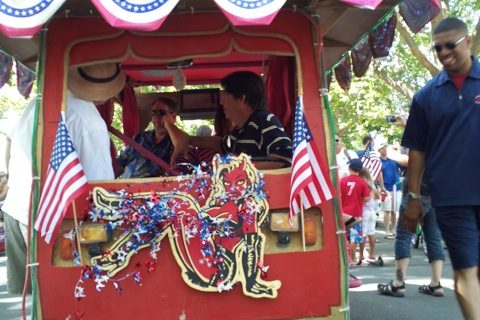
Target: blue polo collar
(443,77)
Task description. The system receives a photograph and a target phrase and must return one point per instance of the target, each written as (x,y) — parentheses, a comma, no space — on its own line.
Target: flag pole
(77,232)
(302,216)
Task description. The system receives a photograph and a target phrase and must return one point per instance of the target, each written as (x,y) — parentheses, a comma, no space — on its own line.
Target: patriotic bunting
(25,18)
(250,12)
(135,15)
(364,4)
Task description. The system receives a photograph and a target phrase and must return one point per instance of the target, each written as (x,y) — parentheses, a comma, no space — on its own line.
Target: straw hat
(97,82)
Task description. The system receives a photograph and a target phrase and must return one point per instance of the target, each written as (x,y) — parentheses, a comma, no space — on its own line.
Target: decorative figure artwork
(216,245)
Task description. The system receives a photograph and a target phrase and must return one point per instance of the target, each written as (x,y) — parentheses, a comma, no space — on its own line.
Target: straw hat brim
(98,82)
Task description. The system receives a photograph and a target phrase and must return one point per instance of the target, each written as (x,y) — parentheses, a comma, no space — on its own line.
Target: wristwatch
(413,195)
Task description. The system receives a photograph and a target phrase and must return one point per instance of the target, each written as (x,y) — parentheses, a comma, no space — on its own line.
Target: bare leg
(437,266)
(386,222)
(467,290)
(393,221)
(401,267)
(362,249)
(353,251)
(371,245)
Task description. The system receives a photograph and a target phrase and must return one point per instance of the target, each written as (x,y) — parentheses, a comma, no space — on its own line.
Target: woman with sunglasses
(134,164)
(442,133)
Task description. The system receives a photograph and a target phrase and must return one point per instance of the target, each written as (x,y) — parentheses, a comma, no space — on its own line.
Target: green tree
(389,85)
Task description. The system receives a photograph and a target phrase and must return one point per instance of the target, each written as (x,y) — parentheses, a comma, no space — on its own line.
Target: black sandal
(389,289)
(436,291)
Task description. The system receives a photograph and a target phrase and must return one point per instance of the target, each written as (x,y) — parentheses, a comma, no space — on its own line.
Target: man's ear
(469,41)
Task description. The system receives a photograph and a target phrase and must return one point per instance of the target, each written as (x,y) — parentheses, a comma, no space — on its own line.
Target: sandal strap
(433,288)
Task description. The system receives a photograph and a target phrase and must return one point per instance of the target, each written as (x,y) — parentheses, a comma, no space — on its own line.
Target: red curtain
(130,113)
(280,87)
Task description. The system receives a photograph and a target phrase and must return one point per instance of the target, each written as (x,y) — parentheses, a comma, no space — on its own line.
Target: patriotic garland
(148,219)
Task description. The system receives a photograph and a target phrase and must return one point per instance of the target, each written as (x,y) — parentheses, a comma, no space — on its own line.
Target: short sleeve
(415,134)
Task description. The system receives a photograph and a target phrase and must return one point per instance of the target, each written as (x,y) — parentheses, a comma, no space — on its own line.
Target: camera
(391,119)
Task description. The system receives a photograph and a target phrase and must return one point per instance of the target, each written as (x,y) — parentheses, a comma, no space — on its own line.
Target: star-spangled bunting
(64,183)
(310,181)
(371,161)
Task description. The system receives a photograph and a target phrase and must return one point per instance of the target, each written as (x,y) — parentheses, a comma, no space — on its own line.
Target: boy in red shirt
(354,192)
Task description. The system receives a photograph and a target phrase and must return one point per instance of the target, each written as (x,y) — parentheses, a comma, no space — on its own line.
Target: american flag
(371,161)
(310,182)
(65,182)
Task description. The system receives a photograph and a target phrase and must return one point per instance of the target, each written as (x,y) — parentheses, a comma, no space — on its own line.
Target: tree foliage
(389,85)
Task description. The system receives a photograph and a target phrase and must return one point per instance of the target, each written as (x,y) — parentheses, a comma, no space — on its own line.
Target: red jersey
(353,189)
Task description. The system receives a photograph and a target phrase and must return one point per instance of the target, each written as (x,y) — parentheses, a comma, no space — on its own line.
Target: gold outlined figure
(217,245)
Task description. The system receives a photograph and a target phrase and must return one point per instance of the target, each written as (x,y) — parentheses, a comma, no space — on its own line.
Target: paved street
(365,304)
(10,305)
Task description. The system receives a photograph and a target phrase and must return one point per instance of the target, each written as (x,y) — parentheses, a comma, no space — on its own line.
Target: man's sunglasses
(449,45)
(160,113)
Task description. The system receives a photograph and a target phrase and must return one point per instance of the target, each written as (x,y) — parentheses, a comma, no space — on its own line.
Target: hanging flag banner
(418,13)
(25,79)
(141,15)
(365,4)
(5,67)
(25,18)
(250,12)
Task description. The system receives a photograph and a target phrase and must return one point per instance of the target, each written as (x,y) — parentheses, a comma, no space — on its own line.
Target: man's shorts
(460,228)
(392,199)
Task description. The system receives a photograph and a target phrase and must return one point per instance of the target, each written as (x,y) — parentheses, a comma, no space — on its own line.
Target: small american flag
(371,161)
(65,182)
(310,182)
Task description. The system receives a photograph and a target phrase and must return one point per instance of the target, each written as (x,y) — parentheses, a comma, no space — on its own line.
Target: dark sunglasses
(160,113)
(449,45)
(336,140)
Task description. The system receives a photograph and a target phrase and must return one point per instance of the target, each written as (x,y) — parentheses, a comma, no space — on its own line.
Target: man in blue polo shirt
(442,133)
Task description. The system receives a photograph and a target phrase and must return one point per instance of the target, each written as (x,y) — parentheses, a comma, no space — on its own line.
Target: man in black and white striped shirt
(257,132)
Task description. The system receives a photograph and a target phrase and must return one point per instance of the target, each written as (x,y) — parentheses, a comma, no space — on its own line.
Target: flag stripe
(51,194)
(320,174)
(310,183)
(64,191)
(73,192)
(371,161)
(65,181)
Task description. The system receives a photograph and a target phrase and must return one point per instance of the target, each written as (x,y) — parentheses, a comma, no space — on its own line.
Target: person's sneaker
(354,282)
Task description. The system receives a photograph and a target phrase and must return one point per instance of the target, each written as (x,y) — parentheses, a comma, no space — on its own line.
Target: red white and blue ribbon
(142,15)
(250,12)
(365,4)
(25,18)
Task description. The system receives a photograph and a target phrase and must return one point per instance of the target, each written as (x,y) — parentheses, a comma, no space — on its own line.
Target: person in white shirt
(91,141)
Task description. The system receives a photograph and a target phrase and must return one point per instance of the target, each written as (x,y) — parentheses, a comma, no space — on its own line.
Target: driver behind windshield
(257,132)
(134,164)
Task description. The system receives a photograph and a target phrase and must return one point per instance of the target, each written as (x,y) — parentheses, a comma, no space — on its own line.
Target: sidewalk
(367,303)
